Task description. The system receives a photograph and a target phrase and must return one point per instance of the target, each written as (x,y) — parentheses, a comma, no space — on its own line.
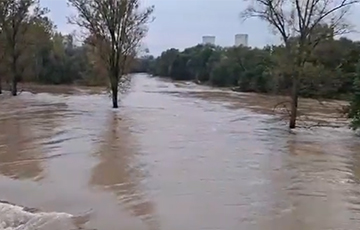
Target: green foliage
(329,73)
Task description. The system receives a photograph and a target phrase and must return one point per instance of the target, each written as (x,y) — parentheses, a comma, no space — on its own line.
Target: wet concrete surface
(175,156)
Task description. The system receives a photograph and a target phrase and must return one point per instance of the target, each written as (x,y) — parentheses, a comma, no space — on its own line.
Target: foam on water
(13,217)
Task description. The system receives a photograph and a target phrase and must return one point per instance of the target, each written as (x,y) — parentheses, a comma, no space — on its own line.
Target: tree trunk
(14,86)
(15,76)
(114,93)
(115,98)
(0,86)
(294,103)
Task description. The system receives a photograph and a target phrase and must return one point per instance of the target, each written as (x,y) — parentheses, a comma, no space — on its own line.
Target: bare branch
(115,29)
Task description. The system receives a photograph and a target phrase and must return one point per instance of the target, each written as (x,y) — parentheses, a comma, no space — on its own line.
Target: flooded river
(175,156)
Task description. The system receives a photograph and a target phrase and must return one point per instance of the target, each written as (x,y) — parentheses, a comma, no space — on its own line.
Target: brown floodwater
(175,156)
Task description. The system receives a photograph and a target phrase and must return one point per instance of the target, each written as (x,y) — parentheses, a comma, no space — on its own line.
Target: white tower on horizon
(208,40)
(241,39)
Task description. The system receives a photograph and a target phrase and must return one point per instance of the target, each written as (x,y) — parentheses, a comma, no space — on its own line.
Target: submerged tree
(116,28)
(302,25)
(16,16)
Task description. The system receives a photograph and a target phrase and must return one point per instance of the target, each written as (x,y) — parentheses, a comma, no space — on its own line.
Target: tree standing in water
(302,25)
(116,28)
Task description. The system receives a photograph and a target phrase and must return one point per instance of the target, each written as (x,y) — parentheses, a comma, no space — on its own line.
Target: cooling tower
(208,40)
(241,39)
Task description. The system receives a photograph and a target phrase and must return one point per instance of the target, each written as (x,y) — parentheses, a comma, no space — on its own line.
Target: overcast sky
(182,23)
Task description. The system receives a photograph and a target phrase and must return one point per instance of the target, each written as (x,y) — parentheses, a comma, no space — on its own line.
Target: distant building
(241,39)
(208,40)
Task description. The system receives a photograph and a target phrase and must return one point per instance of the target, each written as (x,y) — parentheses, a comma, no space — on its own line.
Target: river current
(174,156)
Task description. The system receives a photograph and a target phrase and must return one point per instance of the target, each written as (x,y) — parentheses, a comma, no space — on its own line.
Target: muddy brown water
(175,156)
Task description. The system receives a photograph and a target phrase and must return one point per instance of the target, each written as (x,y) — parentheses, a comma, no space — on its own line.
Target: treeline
(49,57)
(330,72)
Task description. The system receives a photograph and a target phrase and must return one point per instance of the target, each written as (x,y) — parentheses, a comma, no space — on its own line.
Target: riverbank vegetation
(330,73)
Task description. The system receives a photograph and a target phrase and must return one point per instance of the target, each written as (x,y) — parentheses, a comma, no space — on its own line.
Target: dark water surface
(175,156)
